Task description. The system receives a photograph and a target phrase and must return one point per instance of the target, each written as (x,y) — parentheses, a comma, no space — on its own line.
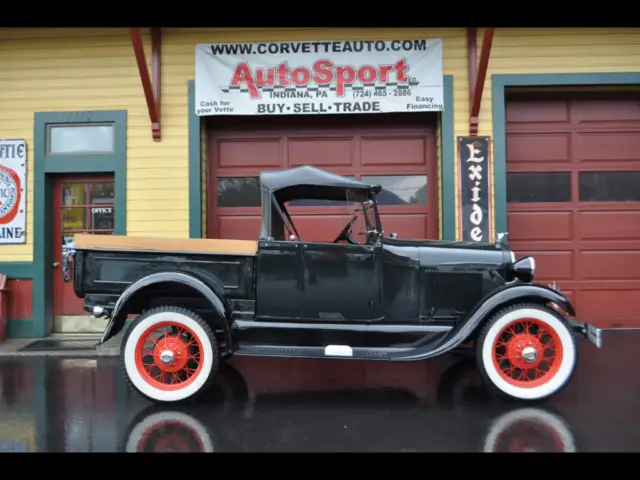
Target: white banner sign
(323,77)
(13,194)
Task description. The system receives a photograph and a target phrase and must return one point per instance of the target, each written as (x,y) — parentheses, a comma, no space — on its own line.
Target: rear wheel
(526,352)
(170,354)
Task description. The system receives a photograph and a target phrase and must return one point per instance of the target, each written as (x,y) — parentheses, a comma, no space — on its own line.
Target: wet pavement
(53,404)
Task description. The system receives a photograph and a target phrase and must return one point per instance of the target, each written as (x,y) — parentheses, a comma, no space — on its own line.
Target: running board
(368,336)
(330,351)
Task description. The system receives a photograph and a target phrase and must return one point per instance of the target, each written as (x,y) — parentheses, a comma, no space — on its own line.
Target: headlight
(524,269)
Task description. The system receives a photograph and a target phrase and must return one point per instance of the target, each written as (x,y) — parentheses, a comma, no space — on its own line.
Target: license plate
(594,335)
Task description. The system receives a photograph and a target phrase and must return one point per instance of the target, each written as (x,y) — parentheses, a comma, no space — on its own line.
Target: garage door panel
(241,228)
(610,265)
(606,112)
(606,146)
(609,308)
(550,265)
(540,226)
(410,150)
(322,152)
(248,152)
(406,226)
(542,112)
(607,225)
(538,147)
(323,228)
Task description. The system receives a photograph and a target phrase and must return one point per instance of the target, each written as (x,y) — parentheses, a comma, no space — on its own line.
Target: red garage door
(397,151)
(573,192)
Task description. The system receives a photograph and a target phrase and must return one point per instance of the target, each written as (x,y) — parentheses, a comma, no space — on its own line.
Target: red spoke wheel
(169,432)
(526,352)
(529,430)
(170,354)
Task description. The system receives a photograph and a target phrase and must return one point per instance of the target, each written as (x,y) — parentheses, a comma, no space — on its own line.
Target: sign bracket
(151,86)
(477,73)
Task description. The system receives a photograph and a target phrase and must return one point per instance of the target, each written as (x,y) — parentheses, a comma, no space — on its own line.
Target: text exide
(322,72)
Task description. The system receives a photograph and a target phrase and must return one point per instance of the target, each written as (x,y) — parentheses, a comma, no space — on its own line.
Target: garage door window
(238,192)
(609,186)
(538,187)
(400,189)
(245,192)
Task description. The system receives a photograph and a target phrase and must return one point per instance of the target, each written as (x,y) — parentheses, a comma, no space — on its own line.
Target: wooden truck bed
(160,244)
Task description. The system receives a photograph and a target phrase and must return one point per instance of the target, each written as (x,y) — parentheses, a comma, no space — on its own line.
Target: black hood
(457,244)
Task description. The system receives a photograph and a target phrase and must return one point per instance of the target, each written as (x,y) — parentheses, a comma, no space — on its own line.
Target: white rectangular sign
(319,77)
(13,191)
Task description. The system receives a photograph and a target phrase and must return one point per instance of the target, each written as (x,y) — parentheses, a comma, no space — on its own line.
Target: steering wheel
(344,233)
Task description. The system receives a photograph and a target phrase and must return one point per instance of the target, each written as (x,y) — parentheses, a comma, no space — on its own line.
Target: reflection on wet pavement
(84,405)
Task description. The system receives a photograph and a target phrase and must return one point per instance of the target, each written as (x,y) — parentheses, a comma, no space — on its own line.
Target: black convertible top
(311,182)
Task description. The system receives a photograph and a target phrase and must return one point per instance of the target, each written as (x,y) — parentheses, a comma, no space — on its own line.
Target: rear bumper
(591,333)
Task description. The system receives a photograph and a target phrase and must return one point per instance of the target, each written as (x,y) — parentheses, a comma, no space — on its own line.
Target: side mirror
(393,235)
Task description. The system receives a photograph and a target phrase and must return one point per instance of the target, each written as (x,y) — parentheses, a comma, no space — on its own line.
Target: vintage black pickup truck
(364,296)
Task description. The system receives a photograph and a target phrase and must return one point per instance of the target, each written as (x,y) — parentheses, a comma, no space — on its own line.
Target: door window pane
(87,207)
(400,189)
(533,187)
(609,186)
(80,139)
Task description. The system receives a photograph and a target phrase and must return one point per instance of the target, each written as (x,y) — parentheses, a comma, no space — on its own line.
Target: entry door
(80,205)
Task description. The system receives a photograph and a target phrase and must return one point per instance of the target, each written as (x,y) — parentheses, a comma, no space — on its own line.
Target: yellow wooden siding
(555,50)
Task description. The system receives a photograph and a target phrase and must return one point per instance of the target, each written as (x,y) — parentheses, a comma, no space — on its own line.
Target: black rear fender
(200,284)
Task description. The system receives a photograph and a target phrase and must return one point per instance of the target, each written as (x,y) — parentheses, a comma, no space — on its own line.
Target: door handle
(55,264)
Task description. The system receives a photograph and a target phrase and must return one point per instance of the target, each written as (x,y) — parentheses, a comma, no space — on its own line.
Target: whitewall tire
(170,355)
(526,352)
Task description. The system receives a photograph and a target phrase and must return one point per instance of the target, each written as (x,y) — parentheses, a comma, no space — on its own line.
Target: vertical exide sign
(323,77)
(475,193)
(13,199)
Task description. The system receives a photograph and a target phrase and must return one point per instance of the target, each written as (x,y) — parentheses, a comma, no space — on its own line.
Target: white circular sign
(8,193)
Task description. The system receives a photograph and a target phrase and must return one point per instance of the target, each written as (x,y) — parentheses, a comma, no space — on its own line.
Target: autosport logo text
(323,73)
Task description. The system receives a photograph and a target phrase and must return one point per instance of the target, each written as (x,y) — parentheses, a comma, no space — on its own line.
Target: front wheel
(170,354)
(526,352)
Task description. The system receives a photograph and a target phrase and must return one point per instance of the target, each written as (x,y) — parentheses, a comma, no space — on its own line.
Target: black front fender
(526,292)
(119,315)
(506,295)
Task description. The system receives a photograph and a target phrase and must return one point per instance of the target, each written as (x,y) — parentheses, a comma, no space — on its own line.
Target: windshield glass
(364,226)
